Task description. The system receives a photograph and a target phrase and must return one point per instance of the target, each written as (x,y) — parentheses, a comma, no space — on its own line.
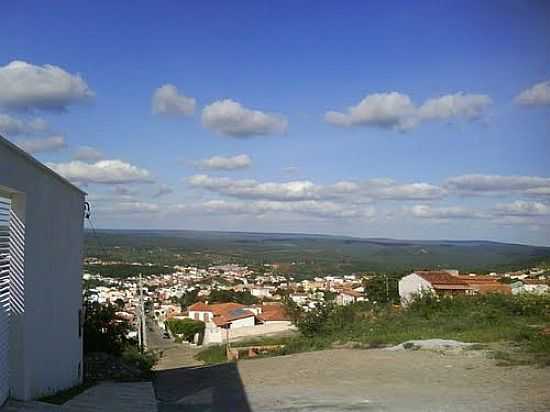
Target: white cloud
(248,188)
(163,190)
(103,171)
(393,110)
(523,208)
(48,144)
(24,86)
(311,208)
(397,111)
(167,100)
(497,184)
(539,94)
(130,208)
(13,127)
(230,118)
(241,161)
(87,154)
(357,192)
(451,212)
(468,106)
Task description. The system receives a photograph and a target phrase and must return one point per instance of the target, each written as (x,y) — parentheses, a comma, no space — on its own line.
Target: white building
(41,225)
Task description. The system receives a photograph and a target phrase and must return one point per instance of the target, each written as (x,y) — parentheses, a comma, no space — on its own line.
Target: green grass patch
(212,355)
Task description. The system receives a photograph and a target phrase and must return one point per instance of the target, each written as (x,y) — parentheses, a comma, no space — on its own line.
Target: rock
(431,344)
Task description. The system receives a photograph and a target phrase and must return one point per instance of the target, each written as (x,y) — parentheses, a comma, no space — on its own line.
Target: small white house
(442,283)
(41,233)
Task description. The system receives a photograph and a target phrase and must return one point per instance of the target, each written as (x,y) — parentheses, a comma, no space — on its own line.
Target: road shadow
(206,388)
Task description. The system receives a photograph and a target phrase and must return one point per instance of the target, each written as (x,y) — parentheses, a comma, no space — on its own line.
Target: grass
(212,355)
(59,398)
(514,324)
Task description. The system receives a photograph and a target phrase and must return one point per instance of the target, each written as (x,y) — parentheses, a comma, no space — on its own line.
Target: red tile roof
(437,278)
(274,312)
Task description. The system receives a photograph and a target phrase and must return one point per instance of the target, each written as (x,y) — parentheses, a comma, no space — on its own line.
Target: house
(239,321)
(441,283)
(41,225)
(486,284)
(534,286)
(348,296)
(223,315)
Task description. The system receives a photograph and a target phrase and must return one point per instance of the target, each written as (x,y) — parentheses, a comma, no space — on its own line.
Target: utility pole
(142,341)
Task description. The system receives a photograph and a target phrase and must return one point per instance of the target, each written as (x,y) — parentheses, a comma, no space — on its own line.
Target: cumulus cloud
(397,111)
(230,118)
(87,154)
(478,184)
(168,100)
(537,95)
(24,86)
(249,188)
(523,208)
(162,190)
(312,208)
(48,144)
(11,126)
(103,171)
(307,190)
(241,161)
(451,212)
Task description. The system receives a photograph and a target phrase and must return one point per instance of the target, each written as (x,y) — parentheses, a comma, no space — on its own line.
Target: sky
(426,120)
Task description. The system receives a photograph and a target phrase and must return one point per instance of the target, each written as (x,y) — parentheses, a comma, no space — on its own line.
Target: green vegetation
(143,361)
(516,328)
(212,355)
(103,332)
(187,328)
(518,321)
(223,296)
(123,270)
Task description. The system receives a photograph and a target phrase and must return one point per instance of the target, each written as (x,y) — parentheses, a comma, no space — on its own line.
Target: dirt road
(356,380)
(377,380)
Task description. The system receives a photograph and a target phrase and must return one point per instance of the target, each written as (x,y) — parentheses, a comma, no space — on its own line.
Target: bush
(143,361)
(187,328)
(103,332)
(212,354)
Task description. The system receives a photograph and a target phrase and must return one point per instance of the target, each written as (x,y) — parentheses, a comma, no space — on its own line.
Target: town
(251,304)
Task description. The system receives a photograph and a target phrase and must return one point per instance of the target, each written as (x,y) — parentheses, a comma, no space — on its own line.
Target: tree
(223,296)
(103,332)
(382,288)
(188,328)
(188,298)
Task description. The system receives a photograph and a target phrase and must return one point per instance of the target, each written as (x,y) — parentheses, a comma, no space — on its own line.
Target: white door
(4,297)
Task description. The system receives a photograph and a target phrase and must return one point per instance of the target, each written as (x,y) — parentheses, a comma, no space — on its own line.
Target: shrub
(187,328)
(103,332)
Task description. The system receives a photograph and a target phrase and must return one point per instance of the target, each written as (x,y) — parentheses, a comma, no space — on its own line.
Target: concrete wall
(412,285)
(45,346)
(241,323)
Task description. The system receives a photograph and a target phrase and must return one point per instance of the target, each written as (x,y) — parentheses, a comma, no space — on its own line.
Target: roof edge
(13,147)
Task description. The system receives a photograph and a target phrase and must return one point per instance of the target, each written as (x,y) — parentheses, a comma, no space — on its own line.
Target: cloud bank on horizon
(308,137)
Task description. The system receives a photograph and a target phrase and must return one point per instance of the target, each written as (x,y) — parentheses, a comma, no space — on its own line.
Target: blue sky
(427,120)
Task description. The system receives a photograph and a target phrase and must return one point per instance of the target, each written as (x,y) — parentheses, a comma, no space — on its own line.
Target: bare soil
(378,380)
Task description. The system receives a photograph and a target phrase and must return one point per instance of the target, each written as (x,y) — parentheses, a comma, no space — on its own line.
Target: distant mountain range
(314,253)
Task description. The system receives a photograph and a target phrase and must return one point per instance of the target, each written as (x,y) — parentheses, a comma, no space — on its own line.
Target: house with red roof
(235,319)
(441,283)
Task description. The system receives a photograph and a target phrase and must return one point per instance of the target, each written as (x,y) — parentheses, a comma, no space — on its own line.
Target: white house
(442,283)
(41,232)
(347,297)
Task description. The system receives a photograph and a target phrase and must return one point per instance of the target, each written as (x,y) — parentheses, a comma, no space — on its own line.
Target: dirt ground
(378,380)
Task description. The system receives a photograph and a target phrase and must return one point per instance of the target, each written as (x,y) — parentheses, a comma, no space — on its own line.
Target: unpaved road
(357,380)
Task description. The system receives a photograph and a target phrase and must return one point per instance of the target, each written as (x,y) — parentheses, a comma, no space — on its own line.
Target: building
(41,225)
(226,321)
(441,283)
(348,296)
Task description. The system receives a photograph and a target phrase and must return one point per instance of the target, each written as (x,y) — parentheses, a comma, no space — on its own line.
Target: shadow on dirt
(208,388)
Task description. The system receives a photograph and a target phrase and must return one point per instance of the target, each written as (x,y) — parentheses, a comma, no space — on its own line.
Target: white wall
(45,347)
(241,323)
(412,285)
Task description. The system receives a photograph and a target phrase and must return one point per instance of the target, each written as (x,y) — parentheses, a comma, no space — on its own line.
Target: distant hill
(309,254)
